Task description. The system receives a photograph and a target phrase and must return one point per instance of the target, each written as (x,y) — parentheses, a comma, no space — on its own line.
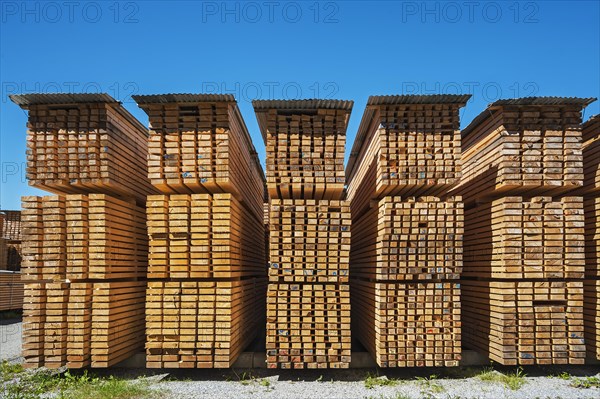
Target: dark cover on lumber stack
(85,143)
(199,143)
(527,146)
(305,142)
(406,145)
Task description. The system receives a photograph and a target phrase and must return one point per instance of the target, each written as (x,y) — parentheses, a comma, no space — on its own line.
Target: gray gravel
(10,339)
(535,387)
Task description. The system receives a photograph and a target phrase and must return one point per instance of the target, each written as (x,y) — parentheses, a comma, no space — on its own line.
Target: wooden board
(83,236)
(525,322)
(409,150)
(408,324)
(87,148)
(523,150)
(309,241)
(203,147)
(201,324)
(519,238)
(409,239)
(11,291)
(308,326)
(204,236)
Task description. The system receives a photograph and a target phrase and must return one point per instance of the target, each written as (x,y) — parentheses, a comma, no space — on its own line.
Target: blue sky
(290,49)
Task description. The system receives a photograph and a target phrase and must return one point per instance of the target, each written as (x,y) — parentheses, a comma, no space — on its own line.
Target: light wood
(522,150)
(308,326)
(87,148)
(525,322)
(201,324)
(409,239)
(519,238)
(309,241)
(83,236)
(591,315)
(11,290)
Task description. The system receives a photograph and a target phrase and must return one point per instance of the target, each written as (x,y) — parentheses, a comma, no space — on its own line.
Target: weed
(429,384)
(320,379)
(513,381)
(564,376)
(587,382)
(372,380)
(265,383)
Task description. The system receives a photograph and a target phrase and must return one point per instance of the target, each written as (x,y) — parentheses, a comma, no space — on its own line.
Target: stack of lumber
(308,297)
(83,257)
(529,146)
(203,236)
(10,240)
(85,250)
(406,253)
(201,324)
(305,142)
(78,237)
(405,146)
(11,290)
(199,143)
(82,143)
(519,238)
(591,189)
(416,324)
(309,241)
(525,322)
(523,278)
(80,324)
(206,293)
(409,239)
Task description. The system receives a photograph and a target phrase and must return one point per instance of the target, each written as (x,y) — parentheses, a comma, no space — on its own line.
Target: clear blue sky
(290,49)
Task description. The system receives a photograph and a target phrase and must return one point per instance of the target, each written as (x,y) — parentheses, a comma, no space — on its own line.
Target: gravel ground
(351,385)
(10,339)
(282,384)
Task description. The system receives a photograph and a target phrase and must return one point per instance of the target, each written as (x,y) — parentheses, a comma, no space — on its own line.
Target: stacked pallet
(305,142)
(207,263)
(524,265)
(591,189)
(11,290)
(84,250)
(406,253)
(308,297)
(82,143)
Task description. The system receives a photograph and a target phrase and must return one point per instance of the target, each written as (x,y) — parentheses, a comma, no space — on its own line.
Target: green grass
(372,381)
(564,376)
(513,381)
(430,384)
(17,383)
(586,382)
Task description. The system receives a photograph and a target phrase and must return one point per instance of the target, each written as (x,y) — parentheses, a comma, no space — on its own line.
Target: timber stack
(406,255)
(207,264)
(10,240)
(85,249)
(591,193)
(524,267)
(308,297)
